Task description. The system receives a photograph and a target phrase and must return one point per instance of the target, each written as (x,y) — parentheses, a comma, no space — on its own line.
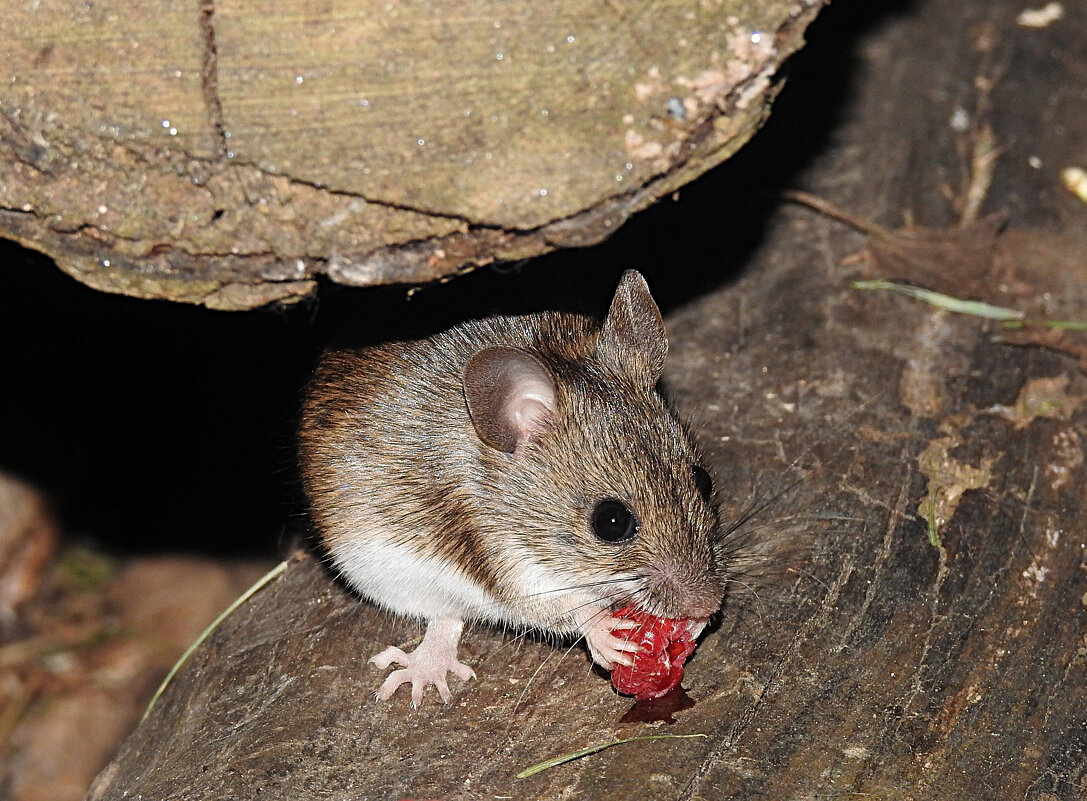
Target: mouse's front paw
(606,649)
(426,665)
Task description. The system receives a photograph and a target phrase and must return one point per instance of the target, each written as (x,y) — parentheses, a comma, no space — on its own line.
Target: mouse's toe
(427,665)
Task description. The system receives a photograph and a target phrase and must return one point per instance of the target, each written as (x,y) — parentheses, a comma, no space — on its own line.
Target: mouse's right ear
(510,396)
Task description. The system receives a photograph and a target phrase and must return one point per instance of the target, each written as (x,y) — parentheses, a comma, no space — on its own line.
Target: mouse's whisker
(760,504)
(599,612)
(749,592)
(626,579)
(756,508)
(747,586)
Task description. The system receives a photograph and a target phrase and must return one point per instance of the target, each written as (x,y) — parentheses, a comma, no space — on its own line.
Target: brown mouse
(523,471)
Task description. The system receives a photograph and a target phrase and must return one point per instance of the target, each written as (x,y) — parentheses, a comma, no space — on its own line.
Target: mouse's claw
(427,664)
(604,647)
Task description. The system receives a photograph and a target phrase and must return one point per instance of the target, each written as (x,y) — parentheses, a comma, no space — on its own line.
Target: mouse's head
(591,472)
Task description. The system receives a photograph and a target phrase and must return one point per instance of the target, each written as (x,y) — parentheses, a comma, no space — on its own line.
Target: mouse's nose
(701,608)
(686,590)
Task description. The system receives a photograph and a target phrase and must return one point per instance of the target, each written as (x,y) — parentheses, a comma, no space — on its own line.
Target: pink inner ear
(531,401)
(510,396)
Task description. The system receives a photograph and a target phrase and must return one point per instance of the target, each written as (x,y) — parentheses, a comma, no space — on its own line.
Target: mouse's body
(518,470)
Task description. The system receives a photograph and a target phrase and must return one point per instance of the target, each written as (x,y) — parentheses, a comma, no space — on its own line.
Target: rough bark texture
(227,153)
(926,637)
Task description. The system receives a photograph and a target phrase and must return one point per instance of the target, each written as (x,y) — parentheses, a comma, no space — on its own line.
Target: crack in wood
(22,213)
(978,612)
(896,515)
(818,618)
(936,618)
(209,75)
(1078,657)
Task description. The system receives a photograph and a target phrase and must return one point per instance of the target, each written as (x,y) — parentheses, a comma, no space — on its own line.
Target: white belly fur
(398,578)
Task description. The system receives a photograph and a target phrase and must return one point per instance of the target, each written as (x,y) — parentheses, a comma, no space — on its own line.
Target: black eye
(613,522)
(704,483)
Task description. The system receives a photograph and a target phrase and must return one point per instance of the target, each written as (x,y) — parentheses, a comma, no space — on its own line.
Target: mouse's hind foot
(428,664)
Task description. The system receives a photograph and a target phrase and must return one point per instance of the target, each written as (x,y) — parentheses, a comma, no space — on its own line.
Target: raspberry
(658,667)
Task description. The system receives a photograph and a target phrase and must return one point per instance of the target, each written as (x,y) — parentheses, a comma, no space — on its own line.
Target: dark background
(156,426)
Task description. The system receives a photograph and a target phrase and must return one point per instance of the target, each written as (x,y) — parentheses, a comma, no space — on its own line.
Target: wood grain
(228,153)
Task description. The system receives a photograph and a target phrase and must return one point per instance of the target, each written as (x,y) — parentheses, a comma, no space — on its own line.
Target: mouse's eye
(613,522)
(704,483)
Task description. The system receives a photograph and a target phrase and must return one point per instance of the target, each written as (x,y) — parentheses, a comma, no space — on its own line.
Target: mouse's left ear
(510,396)
(633,334)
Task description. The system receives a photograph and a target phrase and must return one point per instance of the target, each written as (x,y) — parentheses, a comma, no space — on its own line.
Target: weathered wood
(228,153)
(925,637)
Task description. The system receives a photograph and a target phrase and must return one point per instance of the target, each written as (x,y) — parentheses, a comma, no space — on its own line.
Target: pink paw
(426,665)
(605,648)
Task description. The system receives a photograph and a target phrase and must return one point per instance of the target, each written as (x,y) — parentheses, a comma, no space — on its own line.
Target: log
(922,635)
(229,153)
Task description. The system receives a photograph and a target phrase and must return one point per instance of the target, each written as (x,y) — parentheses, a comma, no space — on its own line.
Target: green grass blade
(592,749)
(975,308)
(1064,325)
(241,599)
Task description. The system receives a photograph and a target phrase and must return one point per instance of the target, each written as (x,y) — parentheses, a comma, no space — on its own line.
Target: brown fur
(388,449)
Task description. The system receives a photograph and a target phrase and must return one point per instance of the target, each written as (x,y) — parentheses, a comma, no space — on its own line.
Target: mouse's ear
(510,396)
(633,336)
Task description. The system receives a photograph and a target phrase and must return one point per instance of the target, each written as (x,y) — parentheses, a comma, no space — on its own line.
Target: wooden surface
(920,630)
(228,153)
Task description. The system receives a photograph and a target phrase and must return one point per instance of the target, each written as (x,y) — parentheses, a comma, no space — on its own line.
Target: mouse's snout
(702,608)
(685,593)
(701,601)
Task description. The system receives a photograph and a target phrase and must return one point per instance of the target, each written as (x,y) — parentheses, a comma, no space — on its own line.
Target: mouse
(522,471)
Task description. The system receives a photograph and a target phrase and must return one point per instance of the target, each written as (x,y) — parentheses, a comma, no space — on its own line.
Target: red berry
(658,667)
